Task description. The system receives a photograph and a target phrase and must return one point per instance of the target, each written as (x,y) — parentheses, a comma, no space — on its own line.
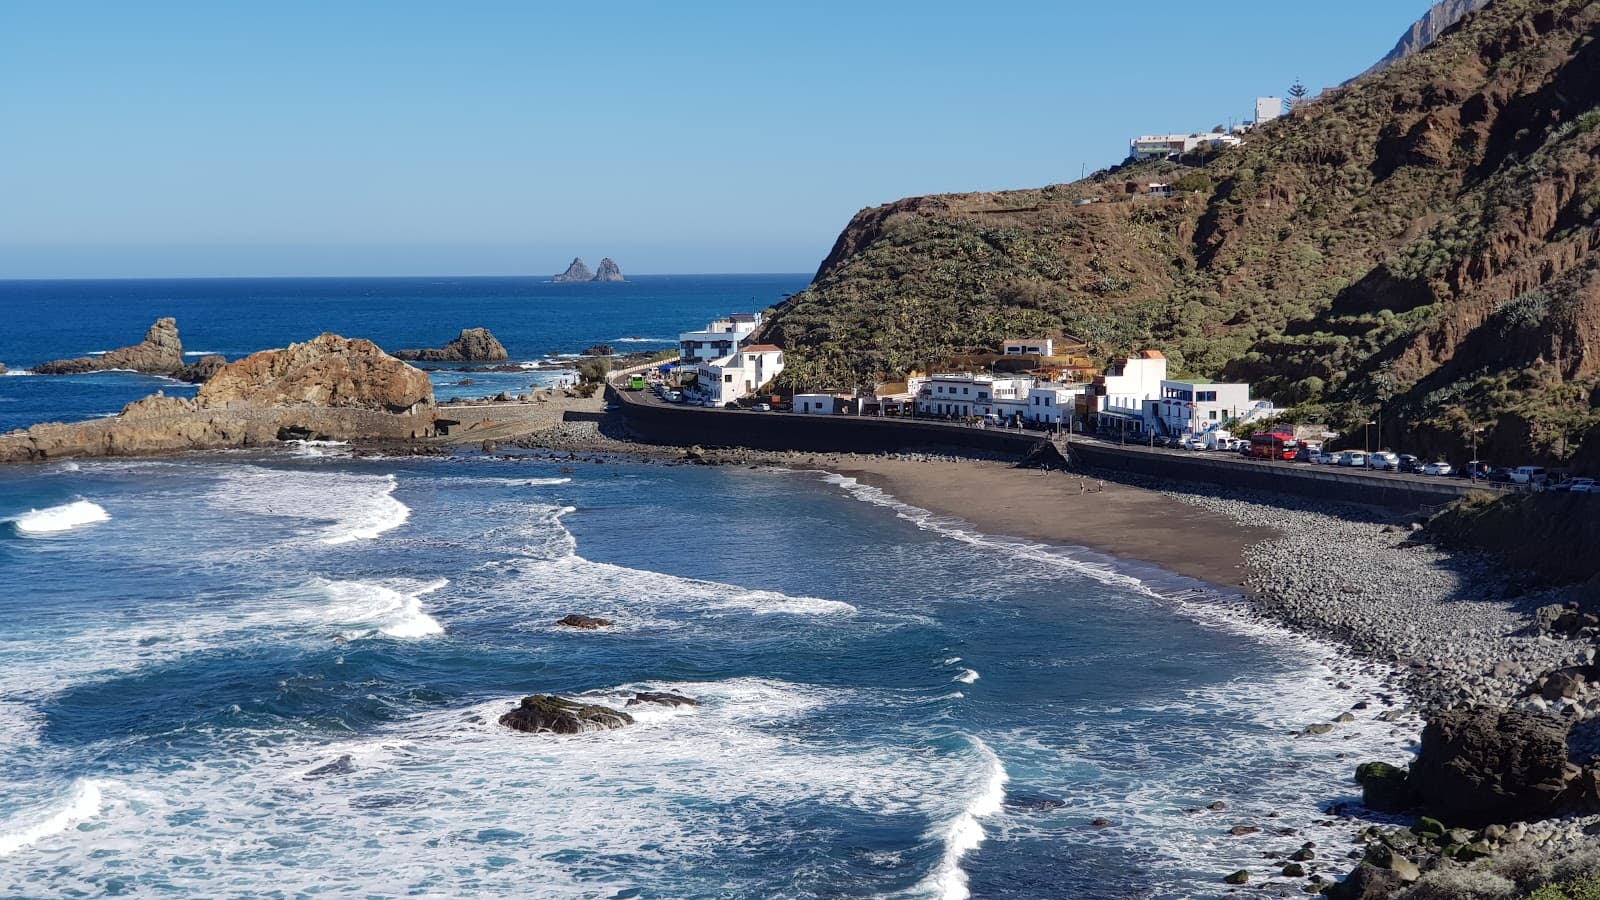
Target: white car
(1325,459)
(1529,475)
(1194,443)
(1354,459)
(1384,461)
(1578,486)
(1437,468)
(762,407)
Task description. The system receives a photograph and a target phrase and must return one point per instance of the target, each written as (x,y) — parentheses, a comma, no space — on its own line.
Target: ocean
(279,674)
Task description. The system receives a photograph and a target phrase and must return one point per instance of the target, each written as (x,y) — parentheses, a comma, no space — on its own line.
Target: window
(727,379)
(1213,415)
(983,395)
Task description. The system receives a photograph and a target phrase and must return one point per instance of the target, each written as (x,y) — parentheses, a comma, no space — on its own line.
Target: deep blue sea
(536,320)
(279,674)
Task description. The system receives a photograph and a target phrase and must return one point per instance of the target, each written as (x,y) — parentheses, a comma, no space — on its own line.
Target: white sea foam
(201,353)
(967,676)
(61,518)
(359,507)
(964,833)
(644,340)
(392,610)
(82,804)
(11,372)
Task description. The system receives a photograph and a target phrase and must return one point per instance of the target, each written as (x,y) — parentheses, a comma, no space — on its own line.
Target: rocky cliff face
(608,271)
(1421,247)
(1427,29)
(160,353)
(575,272)
(329,388)
(473,345)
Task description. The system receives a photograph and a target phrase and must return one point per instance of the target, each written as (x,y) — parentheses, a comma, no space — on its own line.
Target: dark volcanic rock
(1384,787)
(1491,765)
(575,272)
(344,765)
(600,350)
(608,271)
(202,369)
(588,623)
(160,353)
(663,698)
(472,345)
(543,713)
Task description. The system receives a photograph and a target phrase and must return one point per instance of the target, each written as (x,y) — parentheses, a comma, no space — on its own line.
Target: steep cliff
(1427,29)
(1421,246)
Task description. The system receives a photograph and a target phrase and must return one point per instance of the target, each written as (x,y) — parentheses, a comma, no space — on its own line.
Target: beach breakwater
(690,426)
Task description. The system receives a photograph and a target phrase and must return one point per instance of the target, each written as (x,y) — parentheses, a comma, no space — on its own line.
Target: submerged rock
(344,765)
(544,713)
(588,623)
(471,345)
(668,698)
(160,353)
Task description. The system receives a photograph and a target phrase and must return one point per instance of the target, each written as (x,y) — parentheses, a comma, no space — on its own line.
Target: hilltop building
(717,339)
(717,366)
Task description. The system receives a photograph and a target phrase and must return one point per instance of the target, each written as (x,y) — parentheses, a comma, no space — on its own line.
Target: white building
(718,339)
(1052,403)
(1119,397)
(735,376)
(818,404)
(1268,108)
(966,395)
(1029,347)
(1195,407)
(1168,146)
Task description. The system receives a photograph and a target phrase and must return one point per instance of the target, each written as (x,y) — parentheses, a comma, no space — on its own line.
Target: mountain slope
(1420,245)
(1427,29)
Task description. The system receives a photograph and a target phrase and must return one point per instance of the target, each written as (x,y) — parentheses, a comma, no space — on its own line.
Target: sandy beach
(1131,523)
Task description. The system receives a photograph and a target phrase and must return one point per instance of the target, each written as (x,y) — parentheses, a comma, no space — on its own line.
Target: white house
(817,404)
(1123,392)
(1268,108)
(1167,146)
(1029,347)
(718,339)
(967,395)
(737,375)
(1195,407)
(1052,403)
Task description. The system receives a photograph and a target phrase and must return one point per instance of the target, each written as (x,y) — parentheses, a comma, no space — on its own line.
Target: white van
(1219,440)
(1529,475)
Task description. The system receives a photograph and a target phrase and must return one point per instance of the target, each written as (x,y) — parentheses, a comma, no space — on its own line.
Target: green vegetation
(1392,249)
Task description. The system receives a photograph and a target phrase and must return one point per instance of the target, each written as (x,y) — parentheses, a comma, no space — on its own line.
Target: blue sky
(342,138)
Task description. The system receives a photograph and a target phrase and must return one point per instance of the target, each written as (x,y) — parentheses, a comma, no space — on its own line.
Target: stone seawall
(687,426)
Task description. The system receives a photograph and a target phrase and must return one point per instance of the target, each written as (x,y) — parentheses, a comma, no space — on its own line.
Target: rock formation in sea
(472,345)
(575,272)
(543,713)
(329,388)
(201,369)
(160,353)
(661,698)
(2,368)
(608,271)
(600,350)
(588,623)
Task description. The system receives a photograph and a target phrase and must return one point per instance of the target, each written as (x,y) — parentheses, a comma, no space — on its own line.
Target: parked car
(674,396)
(1193,443)
(1577,486)
(1383,461)
(1529,475)
(1409,463)
(1436,468)
(1354,459)
(762,407)
(1498,475)
(1325,458)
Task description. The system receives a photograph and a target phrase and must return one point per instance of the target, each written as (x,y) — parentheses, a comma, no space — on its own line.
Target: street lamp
(1366,436)
(1472,464)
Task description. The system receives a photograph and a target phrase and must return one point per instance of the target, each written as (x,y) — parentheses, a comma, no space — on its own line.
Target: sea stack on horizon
(578,271)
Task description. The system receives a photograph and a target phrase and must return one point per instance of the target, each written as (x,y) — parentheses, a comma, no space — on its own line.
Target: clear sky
(342,138)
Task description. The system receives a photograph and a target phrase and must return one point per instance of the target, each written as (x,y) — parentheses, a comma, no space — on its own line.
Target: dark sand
(1129,523)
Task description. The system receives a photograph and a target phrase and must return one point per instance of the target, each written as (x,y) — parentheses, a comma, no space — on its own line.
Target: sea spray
(81,804)
(61,518)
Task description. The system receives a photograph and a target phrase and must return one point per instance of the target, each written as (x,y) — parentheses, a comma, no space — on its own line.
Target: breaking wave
(82,804)
(61,518)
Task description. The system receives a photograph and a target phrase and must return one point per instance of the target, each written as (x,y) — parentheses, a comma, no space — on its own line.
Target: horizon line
(541,278)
